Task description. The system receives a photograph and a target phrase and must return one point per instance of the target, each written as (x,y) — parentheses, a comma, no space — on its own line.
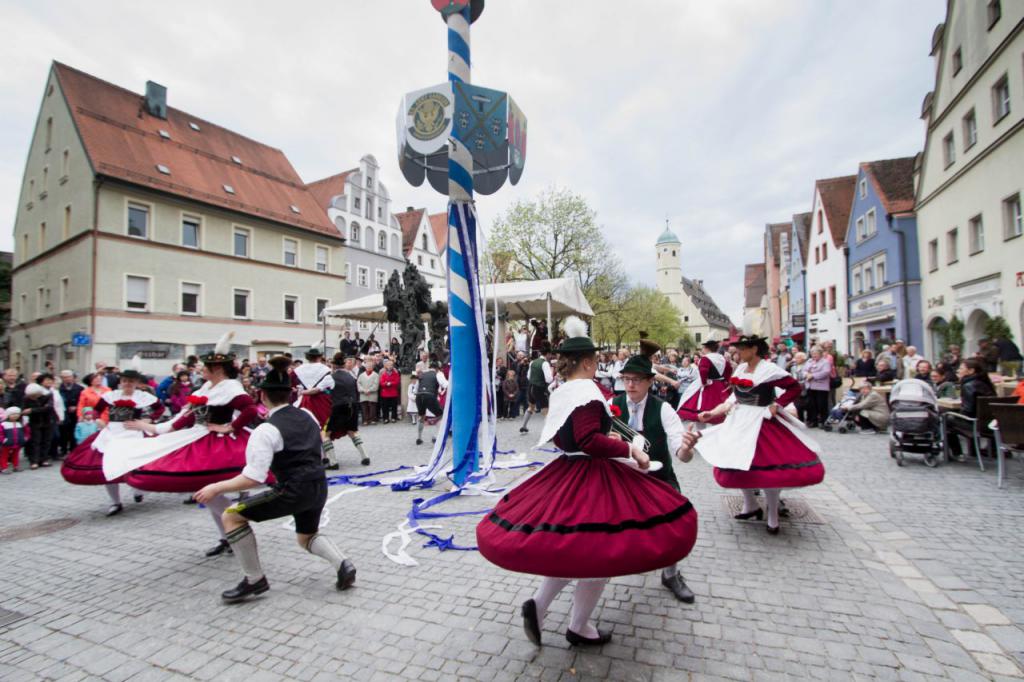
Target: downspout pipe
(894,226)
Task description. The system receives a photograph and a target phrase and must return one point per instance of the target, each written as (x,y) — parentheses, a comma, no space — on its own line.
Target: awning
(520,300)
(869,320)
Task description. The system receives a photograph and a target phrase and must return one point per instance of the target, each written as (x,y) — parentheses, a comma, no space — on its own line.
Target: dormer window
(229,189)
(164,134)
(194,126)
(235,159)
(163,169)
(295,209)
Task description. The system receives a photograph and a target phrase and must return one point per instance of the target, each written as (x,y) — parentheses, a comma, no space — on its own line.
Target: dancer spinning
(586,516)
(288,444)
(205,444)
(313,381)
(658,423)
(129,403)
(760,445)
(540,377)
(428,387)
(713,387)
(345,408)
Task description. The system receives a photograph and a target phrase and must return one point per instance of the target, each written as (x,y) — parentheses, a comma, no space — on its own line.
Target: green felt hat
(638,364)
(278,378)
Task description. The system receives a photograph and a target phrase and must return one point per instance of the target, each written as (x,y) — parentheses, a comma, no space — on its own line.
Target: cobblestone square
(913,576)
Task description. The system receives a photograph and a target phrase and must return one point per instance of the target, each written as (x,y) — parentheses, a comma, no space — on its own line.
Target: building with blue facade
(793,246)
(884,274)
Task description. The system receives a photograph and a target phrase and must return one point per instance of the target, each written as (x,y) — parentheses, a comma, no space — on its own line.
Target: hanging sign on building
(81,339)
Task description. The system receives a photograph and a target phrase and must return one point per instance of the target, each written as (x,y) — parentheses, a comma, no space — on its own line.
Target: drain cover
(799,510)
(35,529)
(9,618)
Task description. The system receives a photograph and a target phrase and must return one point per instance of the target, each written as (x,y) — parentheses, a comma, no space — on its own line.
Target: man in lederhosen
(287,444)
(345,408)
(661,427)
(429,385)
(539,377)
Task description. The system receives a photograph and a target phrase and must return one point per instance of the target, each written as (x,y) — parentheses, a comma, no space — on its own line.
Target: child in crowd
(87,425)
(15,436)
(410,407)
(510,387)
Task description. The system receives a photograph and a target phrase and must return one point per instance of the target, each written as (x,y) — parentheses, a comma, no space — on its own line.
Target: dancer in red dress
(592,513)
(760,445)
(205,444)
(313,382)
(84,465)
(713,387)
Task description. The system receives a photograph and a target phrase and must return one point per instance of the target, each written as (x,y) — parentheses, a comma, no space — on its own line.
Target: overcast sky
(716,114)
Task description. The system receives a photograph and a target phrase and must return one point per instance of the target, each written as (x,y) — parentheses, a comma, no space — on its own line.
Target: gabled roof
(893,180)
(409,221)
(837,200)
(772,234)
(694,289)
(327,188)
(123,141)
(802,227)
(439,226)
(755,285)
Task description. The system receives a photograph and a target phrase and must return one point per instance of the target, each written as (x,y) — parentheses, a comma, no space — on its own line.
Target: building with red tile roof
(826,261)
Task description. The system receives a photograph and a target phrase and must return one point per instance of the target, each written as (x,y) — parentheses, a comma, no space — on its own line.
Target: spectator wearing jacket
(817,373)
(390,391)
(870,411)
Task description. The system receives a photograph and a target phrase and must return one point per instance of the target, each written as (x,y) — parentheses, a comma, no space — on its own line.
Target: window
(380,213)
(49,133)
(241,242)
(948,150)
(995,12)
(369,209)
(858,286)
(860,229)
(39,302)
(321,303)
(24,306)
(381,279)
(814,303)
(1011,217)
(363,275)
(821,300)
(431,262)
(824,252)
(241,303)
(24,246)
(696,337)
(291,253)
(975,235)
(291,308)
(817,254)
(42,237)
(419,260)
(138,221)
(1000,99)
(64,164)
(862,187)
(951,247)
(958,61)
(870,224)
(190,293)
(348,273)
(369,181)
(832,298)
(880,273)
(933,255)
(869,278)
(354,237)
(970,130)
(46,178)
(66,228)
(382,241)
(423,241)
(321,258)
(190,232)
(821,221)
(136,291)
(356,204)
(65,285)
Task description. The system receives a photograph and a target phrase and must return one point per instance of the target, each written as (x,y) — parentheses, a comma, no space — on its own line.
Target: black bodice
(761,395)
(213,414)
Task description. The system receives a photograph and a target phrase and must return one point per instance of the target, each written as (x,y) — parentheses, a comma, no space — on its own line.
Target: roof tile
(837,198)
(893,180)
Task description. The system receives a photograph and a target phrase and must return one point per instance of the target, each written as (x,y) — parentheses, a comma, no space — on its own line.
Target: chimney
(156,99)
(409,209)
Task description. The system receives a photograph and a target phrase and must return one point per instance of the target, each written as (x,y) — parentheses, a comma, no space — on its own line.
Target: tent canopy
(520,300)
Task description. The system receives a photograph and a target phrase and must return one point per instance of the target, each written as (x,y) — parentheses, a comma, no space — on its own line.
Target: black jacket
(971,388)
(864,368)
(14,396)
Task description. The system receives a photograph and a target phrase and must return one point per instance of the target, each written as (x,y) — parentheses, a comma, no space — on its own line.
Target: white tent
(521,300)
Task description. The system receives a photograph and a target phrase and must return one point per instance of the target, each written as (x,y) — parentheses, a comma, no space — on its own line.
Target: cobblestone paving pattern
(916,575)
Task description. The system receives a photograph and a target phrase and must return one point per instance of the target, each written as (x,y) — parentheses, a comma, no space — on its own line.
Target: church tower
(669,274)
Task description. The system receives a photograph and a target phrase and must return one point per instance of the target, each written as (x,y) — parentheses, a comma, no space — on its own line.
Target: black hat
(314,353)
(278,378)
(133,372)
(638,364)
(711,345)
(753,341)
(576,340)
(221,353)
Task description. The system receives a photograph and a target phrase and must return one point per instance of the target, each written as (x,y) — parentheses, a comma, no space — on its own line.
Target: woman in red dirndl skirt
(711,390)
(84,464)
(313,382)
(588,515)
(760,445)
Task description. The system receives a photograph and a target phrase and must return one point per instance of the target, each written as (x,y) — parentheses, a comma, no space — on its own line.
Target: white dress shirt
(670,422)
(264,442)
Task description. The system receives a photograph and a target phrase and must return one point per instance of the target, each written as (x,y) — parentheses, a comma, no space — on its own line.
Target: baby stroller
(839,418)
(914,424)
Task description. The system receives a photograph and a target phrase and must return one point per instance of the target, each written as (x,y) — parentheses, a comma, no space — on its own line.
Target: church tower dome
(669,274)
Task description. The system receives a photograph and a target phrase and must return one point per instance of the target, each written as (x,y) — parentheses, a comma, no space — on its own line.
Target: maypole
(462,138)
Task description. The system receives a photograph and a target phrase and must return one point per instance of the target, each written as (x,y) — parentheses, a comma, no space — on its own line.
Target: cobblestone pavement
(915,574)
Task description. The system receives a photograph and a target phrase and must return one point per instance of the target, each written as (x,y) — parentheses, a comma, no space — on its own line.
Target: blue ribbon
(355,479)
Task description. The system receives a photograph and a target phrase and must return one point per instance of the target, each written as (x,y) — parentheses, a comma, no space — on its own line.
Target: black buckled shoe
(220,548)
(580,640)
(530,623)
(346,575)
(115,509)
(365,461)
(245,589)
(678,587)
(138,498)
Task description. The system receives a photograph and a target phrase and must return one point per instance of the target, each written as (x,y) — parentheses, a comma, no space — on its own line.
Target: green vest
(537,372)
(654,432)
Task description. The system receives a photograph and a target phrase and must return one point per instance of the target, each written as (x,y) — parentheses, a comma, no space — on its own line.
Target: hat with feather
(278,378)
(576,339)
(221,353)
(134,370)
(315,352)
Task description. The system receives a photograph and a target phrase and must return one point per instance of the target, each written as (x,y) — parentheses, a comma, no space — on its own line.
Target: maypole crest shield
(449,7)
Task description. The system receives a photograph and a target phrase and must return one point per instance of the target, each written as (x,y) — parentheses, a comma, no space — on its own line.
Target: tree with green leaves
(997,328)
(640,309)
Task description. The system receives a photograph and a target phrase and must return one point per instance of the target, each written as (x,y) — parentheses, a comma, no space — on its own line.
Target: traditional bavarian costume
(314,375)
(711,390)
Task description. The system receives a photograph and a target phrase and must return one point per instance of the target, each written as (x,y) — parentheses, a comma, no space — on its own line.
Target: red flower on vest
(196,399)
(124,402)
(742,383)
(616,412)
